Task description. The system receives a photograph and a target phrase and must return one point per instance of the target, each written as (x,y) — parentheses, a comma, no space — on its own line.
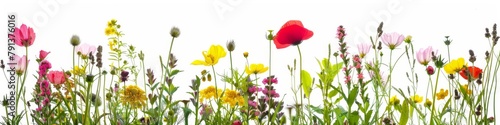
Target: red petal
(292,22)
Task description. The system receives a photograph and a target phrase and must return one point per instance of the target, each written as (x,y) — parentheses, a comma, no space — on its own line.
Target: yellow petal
(247,70)
(198,62)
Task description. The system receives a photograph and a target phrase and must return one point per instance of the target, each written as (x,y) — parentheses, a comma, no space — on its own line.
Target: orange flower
(473,71)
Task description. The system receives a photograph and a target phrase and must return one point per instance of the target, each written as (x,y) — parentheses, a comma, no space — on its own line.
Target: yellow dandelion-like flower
(79,71)
(455,66)
(134,96)
(232,98)
(417,98)
(394,100)
(209,93)
(442,94)
(466,88)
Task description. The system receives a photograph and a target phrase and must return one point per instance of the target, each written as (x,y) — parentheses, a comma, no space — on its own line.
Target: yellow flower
(232,98)
(441,94)
(466,88)
(134,96)
(211,56)
(417,98)
(455,66)
(209,92)
(428,103)
(256,69)
(394,100)
(110,31)
(79,71)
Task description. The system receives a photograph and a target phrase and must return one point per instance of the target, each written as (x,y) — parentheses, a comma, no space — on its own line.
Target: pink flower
(85,49)
(44,88)
(252,103)
(57,77)
(341,32)
(253,89)
(363,49)
(424,56)
(43,54)
(236,122)
(392,40)
(44,66)
(19,63)
(23,36)
(272,80)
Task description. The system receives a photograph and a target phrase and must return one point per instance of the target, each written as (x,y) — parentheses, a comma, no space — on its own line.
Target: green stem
(232,70)
(300,80)
(434,98)
(170,52)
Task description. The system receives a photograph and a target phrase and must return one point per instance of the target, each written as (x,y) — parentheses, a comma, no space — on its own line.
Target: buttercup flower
(394,100)
(473,71)
(455,66)
(24,36)
(212,56)
(19,63)
(442,94)
(85,49)
(392,40)
(363,49)
(291,33)
(417,98)
(57,77)
(134,96)
(424,56)
(256,69)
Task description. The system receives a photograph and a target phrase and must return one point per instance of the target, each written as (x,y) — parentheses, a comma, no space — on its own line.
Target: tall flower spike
(291,33)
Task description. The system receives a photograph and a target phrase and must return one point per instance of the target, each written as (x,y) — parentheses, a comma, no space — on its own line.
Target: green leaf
(352,96)
(405,110)
(306,82)
(332,93)
(316,109)
(174,72)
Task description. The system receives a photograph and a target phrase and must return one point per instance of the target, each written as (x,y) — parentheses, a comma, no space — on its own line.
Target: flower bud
(408,39)
(270,36)
(175,32)
(75,40)
(245,54)
(430,70)
(230,45)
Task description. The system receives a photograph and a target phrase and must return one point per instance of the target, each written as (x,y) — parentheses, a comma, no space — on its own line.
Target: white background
(147,24)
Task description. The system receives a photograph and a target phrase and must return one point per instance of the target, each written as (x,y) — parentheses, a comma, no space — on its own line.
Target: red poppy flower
(474,72)
(291,33)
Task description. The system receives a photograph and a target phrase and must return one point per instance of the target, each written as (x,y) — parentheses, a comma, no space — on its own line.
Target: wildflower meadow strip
(355,88)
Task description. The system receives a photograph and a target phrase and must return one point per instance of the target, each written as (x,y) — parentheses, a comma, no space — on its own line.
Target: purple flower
(124,76)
